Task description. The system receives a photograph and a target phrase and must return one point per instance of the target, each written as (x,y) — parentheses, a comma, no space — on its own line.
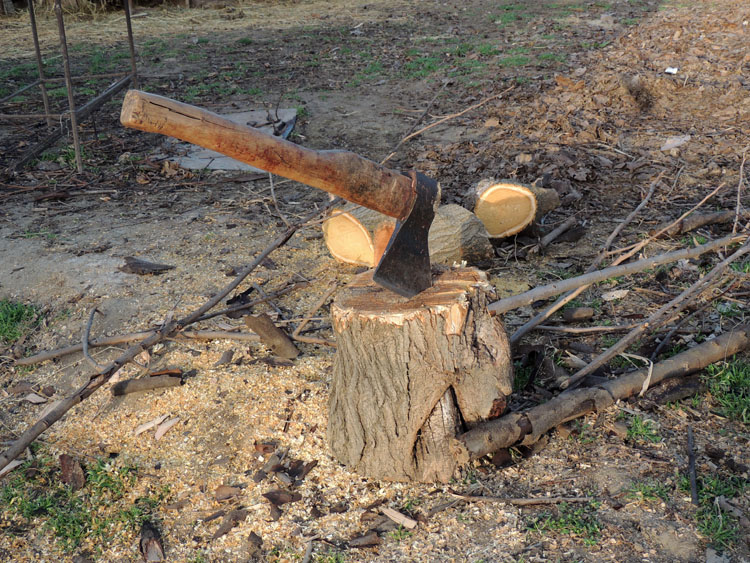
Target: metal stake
(39,63)
(131,44)
(69,84)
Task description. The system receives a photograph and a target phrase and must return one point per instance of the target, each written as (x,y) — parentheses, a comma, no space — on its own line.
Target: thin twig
(691,466)
(561,286)
(520,501)
(659,317)
(739,192)
(263,294)
(565,299)
(455,115)
(586,329)
(85,339)
(414,126)
(276,203)
(314,309)
(168,330)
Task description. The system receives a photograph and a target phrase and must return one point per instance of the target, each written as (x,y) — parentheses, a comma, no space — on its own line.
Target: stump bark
(410,375)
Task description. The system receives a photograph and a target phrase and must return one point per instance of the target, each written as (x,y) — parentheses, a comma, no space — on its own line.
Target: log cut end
(412,374)
(505,207)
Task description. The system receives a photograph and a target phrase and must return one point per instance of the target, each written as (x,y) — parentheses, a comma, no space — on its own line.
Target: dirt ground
(588,109)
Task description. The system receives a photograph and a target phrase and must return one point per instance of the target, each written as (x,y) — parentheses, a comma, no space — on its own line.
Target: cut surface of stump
(411,374)
(357,235)
(506,207)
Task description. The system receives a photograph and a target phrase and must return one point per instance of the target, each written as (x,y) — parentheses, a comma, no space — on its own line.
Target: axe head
(405,265)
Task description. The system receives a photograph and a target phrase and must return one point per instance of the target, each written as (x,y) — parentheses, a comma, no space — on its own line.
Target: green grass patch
(649,490)
(522,376)
(34,496)
(640,429)
(579,521)
(720,527)
(15,319)
(729,386)
(422,67)
(515,60)
(552,57)
(244,41)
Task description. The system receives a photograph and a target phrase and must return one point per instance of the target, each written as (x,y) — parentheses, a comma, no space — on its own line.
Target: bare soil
(587,110)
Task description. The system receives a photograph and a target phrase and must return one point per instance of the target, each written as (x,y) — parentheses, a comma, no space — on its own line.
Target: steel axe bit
(412,200)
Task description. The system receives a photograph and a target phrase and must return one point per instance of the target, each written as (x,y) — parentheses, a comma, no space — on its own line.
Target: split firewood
(272,336)
(357,235)
(506,207)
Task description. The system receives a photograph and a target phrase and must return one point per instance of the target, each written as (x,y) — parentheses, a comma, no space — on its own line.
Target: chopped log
(506,207)
(357,235)
(411,374)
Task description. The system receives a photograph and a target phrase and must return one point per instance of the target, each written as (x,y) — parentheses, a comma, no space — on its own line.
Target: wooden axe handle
(339,172)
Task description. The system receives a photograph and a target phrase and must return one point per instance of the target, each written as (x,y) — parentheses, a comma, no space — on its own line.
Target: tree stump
(411,374)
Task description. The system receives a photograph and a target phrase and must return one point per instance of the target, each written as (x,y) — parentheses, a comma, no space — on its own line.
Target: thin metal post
(131,44)
(69,84)
(39,63)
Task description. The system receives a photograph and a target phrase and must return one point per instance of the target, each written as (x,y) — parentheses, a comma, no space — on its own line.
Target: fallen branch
(520,501)
(528,426)
(660,317)
(693,222)
(546,291)
(145,384)
(169,329)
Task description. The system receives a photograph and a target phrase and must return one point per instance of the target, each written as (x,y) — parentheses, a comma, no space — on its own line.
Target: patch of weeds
(44,233)
(720,527)
(487,50)
(729,309)
(741,267)
(514,60)
(302,112)
(35,495)
(729,385)
(577,521)
(375,67)
(522,79)
(244,41)
(583,432)
(468,66)
(630,21)
(607,341)
(522,376)
(421,67)
(648,490)
(252,91)
(57,93)
(552,57)
(594,44)
(410,504)
(640,429)
(399,534)
(15,319)
(694,240)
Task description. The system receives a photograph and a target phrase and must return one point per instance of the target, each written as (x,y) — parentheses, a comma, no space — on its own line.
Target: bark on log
(411,374)
(357,235)
(527,427)
(506,207)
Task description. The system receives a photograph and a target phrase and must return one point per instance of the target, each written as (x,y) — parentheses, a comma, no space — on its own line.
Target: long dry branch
(660,317)
(528,426)
(170,328)
(545,291)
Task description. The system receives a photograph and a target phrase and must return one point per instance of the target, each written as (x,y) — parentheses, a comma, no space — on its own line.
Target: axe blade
(405,265)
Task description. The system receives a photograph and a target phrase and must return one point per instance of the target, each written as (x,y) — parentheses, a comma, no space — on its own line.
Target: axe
(410,198)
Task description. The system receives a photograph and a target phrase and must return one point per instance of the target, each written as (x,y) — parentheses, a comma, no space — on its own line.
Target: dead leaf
(367,540)
(278,497)
(225,492)
(674,142)
(226,357)
(492,122)
(615,294)
(72,474)
(35,399)
(229,522)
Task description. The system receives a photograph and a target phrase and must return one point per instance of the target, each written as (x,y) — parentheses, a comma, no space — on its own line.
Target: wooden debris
(272,336)
(254,543)
(146,384)
(696,221)
(150,544)
(140,267)
(226,358)
(578,314)
(164,428)
(507,207)
(279,496)
(409,373)
(72,473)
(398,518)
(226,492)
(357,235)
(230,521)
(368,540)
(150,424)
(521,501)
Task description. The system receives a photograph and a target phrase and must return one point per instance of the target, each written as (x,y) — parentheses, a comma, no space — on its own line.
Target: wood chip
(367,540)
(278,497)
(150,424)
(164,428)
(399,518)
(225,492)
(72,474)
(35,399)
(229,522)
